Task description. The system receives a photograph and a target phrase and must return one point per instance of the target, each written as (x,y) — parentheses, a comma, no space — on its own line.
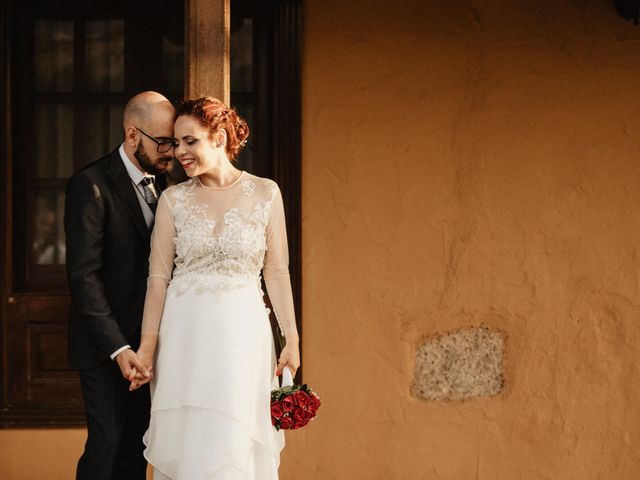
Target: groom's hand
(131,366)
(146,357)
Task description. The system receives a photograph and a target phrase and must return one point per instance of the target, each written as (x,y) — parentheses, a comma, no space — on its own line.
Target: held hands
(146,359)
(289,357)
(133,368)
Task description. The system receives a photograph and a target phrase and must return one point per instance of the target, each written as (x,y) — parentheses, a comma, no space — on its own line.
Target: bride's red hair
(214,115)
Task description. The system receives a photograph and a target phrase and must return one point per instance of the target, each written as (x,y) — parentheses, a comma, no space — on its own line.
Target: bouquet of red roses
(293,406)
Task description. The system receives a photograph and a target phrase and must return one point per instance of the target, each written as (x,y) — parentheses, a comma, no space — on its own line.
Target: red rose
(300,398)
(314,403)
(299,424)
(299,415)
(287,403)
(276,409)
(286,423)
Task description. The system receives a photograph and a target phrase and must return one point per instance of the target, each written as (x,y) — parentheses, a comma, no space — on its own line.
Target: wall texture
(465,163)
(471,163)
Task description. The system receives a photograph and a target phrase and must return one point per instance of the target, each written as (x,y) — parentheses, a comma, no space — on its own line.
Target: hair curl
(214,115)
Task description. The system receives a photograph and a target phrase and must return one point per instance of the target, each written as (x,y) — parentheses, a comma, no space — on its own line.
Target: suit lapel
(124,189)
(161,182)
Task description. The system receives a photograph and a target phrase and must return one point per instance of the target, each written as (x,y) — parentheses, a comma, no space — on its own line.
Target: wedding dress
(215,364)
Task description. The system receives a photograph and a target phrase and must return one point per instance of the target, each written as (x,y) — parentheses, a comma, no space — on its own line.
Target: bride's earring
(221,139)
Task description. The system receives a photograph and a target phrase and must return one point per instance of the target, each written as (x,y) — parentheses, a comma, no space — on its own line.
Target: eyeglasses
(164,144)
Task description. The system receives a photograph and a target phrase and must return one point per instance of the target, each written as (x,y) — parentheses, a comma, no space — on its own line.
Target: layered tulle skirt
(210,413)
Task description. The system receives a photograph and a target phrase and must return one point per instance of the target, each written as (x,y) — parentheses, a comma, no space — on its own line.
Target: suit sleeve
(84,217)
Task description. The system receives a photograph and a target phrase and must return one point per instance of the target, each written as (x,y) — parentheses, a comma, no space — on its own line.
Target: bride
(205,321)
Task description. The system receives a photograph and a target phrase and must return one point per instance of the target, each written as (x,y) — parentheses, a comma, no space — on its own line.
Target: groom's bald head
(145,108)
(151,113)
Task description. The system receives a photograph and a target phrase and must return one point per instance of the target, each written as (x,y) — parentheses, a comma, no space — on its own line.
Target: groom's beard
(146,162)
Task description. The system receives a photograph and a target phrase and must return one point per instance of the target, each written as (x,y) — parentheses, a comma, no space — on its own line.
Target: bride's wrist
(147,348)
(292,338)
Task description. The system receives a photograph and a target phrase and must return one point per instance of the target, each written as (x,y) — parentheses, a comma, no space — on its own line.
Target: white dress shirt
(136,177)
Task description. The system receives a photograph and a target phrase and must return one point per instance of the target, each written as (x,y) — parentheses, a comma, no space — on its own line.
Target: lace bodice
(229,243)
(212,239)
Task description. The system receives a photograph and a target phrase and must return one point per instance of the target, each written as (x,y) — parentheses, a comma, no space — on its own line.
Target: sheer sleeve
(276,268)
(160,266)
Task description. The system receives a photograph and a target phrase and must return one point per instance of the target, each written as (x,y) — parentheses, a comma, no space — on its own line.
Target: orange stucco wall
(40,454)
(464,163)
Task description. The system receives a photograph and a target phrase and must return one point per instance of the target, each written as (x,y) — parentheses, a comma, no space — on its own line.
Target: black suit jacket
(107,261)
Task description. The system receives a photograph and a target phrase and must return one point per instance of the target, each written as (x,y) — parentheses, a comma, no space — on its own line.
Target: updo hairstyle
(214,115)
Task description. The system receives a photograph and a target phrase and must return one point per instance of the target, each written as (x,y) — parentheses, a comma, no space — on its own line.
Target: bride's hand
(146,357)
(289,357)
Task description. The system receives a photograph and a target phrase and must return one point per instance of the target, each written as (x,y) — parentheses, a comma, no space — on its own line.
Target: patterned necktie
(150,193)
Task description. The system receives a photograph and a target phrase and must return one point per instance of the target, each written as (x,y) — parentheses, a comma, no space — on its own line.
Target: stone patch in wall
(461,364)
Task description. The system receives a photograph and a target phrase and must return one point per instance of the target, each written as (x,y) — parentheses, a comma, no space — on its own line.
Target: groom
(109,213)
